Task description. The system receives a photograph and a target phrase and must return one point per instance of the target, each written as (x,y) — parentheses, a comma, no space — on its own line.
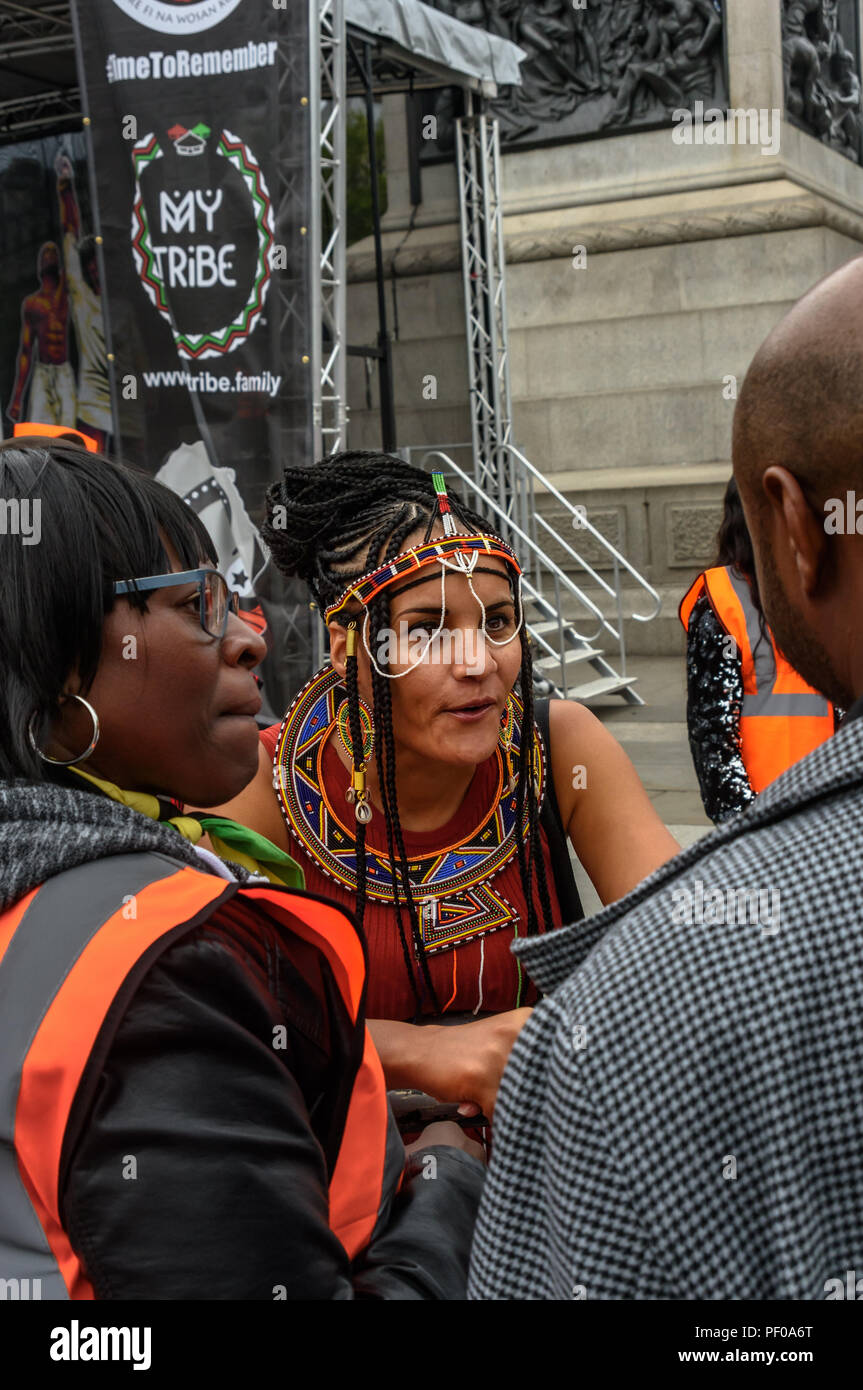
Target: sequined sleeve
(713,705)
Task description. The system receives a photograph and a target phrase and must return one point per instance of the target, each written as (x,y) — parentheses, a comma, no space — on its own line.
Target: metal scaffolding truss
(327,223)
(21,117)
(38,87)
(27,30)
(291,189)
(483,269)
(359,47)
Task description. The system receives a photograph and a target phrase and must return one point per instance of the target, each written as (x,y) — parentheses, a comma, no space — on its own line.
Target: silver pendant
(428,912)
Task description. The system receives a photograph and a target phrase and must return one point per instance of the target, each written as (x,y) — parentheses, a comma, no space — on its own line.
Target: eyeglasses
(216,599)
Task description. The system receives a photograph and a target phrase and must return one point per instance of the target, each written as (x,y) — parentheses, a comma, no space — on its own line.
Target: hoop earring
(69,762)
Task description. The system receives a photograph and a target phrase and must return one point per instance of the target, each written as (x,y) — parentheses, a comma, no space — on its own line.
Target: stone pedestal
(623,371)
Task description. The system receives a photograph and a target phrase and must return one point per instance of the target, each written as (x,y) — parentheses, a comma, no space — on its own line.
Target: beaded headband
(471,547)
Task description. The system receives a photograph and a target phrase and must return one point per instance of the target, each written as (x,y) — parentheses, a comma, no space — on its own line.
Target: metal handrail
(538,566)
(539,554)
(585,525)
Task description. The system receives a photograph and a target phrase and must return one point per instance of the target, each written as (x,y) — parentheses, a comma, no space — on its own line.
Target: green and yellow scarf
(234,843)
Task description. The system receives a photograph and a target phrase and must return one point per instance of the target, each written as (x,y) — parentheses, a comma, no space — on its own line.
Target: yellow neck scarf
(147,805)
(231,841)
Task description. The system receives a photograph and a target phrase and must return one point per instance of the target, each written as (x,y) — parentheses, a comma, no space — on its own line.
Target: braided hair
(329,525)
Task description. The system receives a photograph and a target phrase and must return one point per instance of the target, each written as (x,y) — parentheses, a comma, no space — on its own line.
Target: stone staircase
(662,636)
(566,666)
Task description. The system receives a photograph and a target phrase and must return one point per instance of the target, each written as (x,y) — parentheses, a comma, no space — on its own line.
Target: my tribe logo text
(736,127)
(210,290)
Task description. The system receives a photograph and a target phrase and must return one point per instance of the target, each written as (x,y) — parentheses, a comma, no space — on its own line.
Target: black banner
(199,120)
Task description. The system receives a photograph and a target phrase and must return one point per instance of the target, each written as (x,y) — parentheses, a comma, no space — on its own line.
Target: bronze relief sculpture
(604,64)
(820,51)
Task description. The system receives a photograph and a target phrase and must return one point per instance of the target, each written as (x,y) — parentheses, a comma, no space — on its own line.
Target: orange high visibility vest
(67,950)
(782,718)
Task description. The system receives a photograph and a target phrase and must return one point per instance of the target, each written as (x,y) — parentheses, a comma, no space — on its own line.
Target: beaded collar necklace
(452,884)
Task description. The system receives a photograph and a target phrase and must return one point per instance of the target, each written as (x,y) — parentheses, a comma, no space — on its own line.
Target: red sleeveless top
(482,972)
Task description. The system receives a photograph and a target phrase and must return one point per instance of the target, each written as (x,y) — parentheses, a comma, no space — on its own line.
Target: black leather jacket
(197,1156)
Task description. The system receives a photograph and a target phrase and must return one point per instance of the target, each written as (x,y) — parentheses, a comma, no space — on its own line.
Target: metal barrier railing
(581,523)
(544,582)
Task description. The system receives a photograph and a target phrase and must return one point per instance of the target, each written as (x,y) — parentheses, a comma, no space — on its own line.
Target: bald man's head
(798,442)
(801,405)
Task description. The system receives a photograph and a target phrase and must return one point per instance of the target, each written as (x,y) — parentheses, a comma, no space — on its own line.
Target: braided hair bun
(330,523)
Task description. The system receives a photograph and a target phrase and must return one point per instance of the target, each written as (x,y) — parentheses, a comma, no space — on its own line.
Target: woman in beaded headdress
(422,784)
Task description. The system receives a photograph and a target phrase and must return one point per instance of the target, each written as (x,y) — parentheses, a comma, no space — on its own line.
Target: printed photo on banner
(53,367)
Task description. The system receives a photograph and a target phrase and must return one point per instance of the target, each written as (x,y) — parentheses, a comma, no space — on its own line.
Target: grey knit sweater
(45,828)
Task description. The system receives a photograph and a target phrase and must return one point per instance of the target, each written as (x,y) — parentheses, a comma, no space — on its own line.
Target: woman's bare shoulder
(575,729)
(612,824)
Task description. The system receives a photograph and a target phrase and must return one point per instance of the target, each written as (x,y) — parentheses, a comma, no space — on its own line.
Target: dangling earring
(68,762)
(356,794)
(507,728)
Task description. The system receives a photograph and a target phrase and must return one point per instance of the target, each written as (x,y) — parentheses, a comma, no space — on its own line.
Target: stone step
(550,666)
(602,687)
(554,674)
(547,628)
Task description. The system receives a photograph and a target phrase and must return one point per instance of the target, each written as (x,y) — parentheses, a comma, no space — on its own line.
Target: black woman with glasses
(190,1103)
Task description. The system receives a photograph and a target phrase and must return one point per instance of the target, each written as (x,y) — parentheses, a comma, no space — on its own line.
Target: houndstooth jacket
(682,1116)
